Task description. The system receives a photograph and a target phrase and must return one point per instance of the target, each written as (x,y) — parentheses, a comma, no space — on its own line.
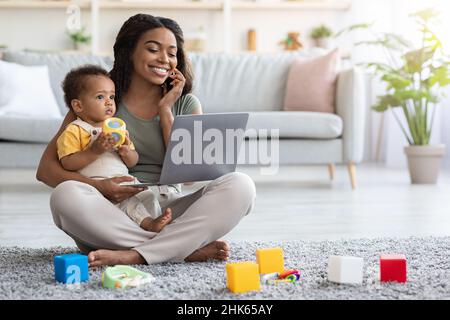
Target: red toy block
(392,267)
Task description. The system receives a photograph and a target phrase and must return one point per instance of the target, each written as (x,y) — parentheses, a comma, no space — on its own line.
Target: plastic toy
(345,269)
(242,277)
(286,273)
(292,275)
(392,267)
(270,260)
(117,128)
(276,281)
(120,277)
(265,278)
(288,276)
(71,268)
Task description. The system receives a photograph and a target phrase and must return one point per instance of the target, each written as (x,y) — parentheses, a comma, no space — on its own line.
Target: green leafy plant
(414,76)
(79,36)
(321,32)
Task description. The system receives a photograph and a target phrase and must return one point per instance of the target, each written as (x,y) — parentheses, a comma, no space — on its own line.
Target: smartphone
(167,85)
(137,185)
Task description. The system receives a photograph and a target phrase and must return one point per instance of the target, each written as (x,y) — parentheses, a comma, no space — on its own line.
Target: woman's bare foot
(219,250)
(111,257)
(156,225)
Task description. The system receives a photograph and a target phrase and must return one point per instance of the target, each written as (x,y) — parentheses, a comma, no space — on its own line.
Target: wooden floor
(298,203)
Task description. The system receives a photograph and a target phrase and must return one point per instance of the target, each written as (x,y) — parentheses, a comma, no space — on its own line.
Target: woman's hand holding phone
(112,190)
(172,95)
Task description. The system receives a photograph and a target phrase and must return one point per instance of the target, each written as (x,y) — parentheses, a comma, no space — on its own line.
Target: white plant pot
(322,43)
(424,163)
(83,47)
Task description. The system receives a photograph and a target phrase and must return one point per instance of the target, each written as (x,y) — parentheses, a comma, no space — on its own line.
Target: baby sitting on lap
(83,147)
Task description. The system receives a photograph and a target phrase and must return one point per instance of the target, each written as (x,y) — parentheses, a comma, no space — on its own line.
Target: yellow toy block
(242,277)
(270,260)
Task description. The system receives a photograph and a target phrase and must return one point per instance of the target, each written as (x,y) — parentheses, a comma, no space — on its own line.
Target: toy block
(270,260)
(71,268)
(392,267)
(242,277)
(343,269)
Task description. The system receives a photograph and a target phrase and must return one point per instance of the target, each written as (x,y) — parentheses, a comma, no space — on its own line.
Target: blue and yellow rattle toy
(117,128)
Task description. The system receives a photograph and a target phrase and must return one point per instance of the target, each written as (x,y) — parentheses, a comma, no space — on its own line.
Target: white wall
(44,29)
(111,21)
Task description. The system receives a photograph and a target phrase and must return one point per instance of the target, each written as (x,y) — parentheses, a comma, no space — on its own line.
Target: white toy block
(345,269)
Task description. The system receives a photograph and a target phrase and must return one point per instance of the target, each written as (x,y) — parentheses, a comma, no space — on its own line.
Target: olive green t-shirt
(148,138)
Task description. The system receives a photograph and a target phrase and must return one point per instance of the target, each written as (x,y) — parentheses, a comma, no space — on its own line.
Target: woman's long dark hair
(126,42)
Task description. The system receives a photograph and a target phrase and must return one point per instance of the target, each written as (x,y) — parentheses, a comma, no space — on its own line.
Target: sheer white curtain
(385,141)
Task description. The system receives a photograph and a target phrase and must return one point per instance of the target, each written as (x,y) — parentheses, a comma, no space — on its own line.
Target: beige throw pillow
(311,84)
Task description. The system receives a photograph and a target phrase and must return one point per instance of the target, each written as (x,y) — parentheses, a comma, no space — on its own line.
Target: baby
(83,147)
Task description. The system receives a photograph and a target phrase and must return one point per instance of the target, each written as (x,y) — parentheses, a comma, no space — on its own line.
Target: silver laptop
(203,147)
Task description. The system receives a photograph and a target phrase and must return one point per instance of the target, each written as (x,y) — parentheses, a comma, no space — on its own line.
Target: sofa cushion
(243,81)
(311,84)
(25,91)
(28,129)
(59,64)
(303,125)
(222,82)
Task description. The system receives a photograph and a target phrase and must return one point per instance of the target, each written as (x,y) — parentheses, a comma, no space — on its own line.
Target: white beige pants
(199,218)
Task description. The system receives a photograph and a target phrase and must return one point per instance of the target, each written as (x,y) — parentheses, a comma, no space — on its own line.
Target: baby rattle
(117,128)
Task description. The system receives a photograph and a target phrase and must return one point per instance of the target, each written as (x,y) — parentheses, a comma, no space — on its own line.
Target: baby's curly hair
(73,83)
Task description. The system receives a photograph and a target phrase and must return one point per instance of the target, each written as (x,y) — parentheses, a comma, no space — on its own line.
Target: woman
(153,81)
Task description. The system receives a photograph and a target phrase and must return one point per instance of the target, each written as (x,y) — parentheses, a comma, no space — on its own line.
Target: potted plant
(80,39)
(414,78)
(321,36)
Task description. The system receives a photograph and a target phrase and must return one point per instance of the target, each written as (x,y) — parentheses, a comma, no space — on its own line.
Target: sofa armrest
(351,107)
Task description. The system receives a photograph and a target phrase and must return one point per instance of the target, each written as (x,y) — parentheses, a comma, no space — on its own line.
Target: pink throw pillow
(311,84)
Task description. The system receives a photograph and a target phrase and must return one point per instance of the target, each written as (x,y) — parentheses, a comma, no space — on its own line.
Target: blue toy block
(71,268)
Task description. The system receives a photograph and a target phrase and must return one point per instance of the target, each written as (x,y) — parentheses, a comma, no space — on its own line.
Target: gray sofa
(223,83)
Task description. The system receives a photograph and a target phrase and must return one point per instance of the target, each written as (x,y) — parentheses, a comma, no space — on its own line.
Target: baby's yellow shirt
(74,139)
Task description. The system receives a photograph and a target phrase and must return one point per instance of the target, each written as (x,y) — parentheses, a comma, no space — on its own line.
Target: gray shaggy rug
(28,273)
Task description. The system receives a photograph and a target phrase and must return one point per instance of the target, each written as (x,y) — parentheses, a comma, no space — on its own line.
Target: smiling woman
(153,81)
(148,39)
